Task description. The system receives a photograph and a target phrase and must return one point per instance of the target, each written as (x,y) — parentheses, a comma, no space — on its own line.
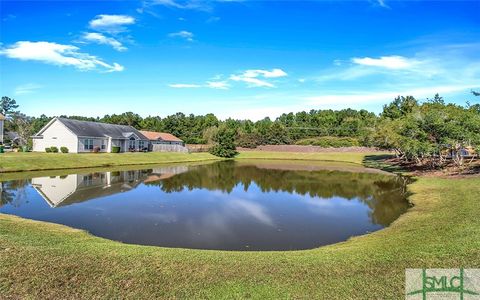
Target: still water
(230,205)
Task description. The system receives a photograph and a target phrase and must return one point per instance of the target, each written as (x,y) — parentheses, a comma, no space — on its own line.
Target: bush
(221,151)
(224,143)
(115,149)
(330,141)
(64,149)
(54,149)
(48,150)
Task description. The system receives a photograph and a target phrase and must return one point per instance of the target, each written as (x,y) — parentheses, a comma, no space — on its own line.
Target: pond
(228,205)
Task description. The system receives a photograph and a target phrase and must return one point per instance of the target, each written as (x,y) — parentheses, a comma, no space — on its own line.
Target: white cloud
(265,73)
(221,85)
(182,34)
(389,62)
(111,23)
(382,3)
(184,86)
(255,78)
(57,54)
(27,88)
(252,81)
(98,38)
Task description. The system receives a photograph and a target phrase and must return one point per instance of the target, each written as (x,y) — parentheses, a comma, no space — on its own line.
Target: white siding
(97,142)
(56,135)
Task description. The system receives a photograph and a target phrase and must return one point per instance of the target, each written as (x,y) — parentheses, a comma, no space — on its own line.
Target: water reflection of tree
(13,192)
(385,195)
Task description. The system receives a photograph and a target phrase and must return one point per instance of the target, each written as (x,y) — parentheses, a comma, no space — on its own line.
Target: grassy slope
(326,156)
(49,161)
(53,261)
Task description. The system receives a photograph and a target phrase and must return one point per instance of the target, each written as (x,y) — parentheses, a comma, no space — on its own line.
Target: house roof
(97,129)
(12,135)
(2,117)
(152,135)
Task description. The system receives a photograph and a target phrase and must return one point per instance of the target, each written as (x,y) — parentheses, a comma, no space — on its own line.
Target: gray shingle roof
(97,129)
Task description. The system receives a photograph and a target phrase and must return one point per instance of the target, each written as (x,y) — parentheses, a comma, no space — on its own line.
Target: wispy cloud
(446,69)
(253,78)
(184,85)
(383,3)
(389,62)
(187,35)
(363,97)
(256,78)
(57,54)
(28,88)
(98,38)
(111,23)
(220,85)
(199,5)
(8,17)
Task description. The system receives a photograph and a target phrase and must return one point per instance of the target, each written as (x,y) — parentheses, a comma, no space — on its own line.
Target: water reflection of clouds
(219,222)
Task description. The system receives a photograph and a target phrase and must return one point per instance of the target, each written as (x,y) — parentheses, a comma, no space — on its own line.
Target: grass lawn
(11,161)
(442,230)
(349,157)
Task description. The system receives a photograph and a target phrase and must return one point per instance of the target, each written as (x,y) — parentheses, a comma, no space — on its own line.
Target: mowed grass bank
(31,161)
(348,157)
(12,162)
(442,230)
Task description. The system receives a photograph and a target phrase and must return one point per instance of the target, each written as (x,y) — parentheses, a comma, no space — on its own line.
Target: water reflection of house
(65,190)
(164,173)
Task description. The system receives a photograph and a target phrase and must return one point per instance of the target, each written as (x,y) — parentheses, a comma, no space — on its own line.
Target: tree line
(427,133)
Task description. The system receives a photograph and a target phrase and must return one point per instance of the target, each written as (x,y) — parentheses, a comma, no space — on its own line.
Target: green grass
(442,230)
(349,157)
(11,162)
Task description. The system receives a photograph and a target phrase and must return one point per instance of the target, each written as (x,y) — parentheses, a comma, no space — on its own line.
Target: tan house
(164,142)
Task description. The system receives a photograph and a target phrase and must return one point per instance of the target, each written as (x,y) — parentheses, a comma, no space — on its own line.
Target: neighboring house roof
(2,117)
(97,129)
(153,136)
(12,135)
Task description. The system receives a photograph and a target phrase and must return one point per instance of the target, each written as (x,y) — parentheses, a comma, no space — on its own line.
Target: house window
(103,145)
(141,145)
(88,144)
(88,180)
(131,143)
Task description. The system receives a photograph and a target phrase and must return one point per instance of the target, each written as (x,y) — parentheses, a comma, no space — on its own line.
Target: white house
(2,120)
(84,136)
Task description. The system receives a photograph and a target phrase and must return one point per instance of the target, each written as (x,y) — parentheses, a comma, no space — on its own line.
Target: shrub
(54,149)
(115,149)
(64,149)
(330,141)
(225,146)
(96,149)
(48,150)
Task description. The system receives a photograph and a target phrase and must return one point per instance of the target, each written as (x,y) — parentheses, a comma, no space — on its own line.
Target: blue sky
(240,59)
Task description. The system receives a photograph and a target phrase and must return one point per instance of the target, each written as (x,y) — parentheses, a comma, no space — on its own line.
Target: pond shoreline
(438,231)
